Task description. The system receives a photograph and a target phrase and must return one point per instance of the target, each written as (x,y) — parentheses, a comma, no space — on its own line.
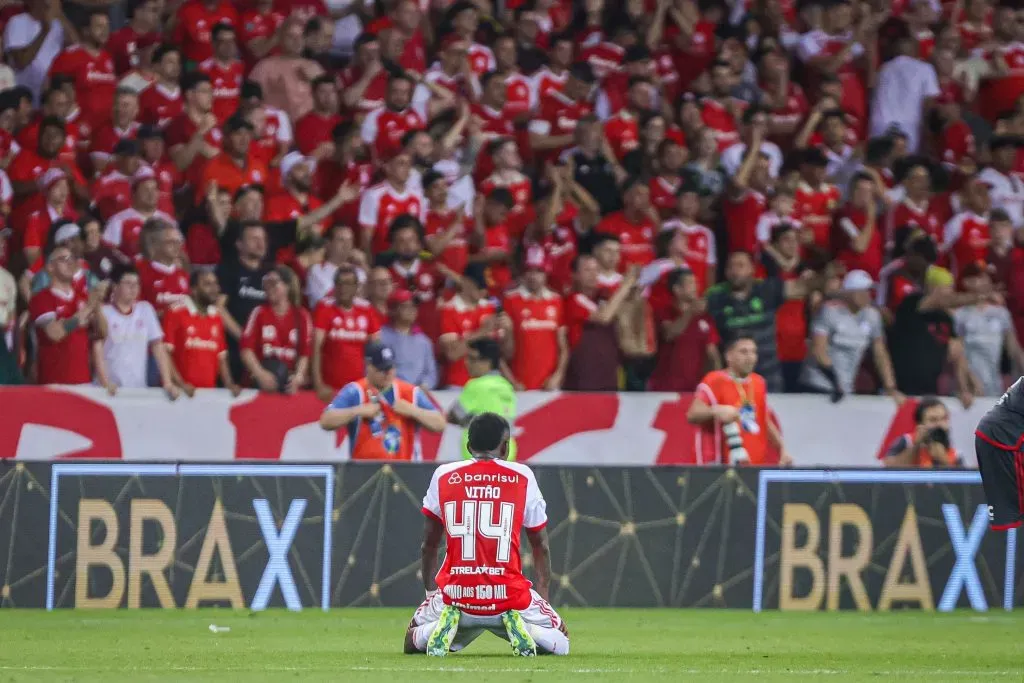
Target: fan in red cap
(124,229)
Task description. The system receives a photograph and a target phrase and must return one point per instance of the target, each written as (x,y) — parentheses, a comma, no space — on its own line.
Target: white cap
(66,233)
(290,161)
(857,281)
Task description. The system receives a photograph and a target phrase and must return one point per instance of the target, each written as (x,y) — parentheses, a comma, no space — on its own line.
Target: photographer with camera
(928,445)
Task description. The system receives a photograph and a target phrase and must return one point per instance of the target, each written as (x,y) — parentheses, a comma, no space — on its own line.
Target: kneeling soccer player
(999,445)
(483,504)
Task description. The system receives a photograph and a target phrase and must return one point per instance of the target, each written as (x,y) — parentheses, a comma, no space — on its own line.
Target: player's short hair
(488,435)
(489,350)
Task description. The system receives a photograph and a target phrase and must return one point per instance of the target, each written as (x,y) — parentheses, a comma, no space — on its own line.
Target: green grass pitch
(607,645)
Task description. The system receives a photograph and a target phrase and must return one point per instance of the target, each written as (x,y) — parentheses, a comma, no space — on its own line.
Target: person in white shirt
(33,39)
(1005,188)
(732,158)
(906,86)
(133,330)
(341,251)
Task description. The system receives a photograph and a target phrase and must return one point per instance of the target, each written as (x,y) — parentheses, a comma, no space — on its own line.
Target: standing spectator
(700,253)
(124,229)
(465,318)
(414,352)
(314,132)
(591,169)
(133,331)
(687,338)
(161,102)
(841,335)
(235,167)
(364,82)
(720,110)
(590,319)
(608,252)
(412,272)
(382,414)
(538,323)
(241,281)
(781,259)
(8,295)
(754,134)
(225,71)
(1005,186)
(287,77)
(928,445)
(194,335)
(857,238)
(507,164)
(906,86)
(277,340)
(551,131)
(742,303)
(384,128)
(494,247)
(450,76)
(126,43)
(387,200)
(341,251)
(62,316)
(121,128)
(465,21)
(815,199)
(966,235)
(634,226)
(379,287)
(33,39)
(987,332)
(193,137)
(258,30)
(916,207)
(163,281)
(193,27)
(731,408)
(100,256)
(445,229)
(91,69)
(342,326)
(57,195)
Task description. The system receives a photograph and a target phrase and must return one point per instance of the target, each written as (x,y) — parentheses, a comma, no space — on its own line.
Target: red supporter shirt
(66,361)
(159,106)
(481,59)
(518,96)
(604,58)
(793,109)
(423,280)
(623,133)
(499,274)
(255,24)
(637,238)
(162,286)
(559,245)
(494,123)
(557,115)
(287,337)
(384,129)
(578,309)
(536,321)
(179,132)
(681,361)
(373,96)
(456,255)
(226,80)
(37,227)
(849,223)
(925,217)
(28,139)
(112,194)
(663,194)
(107,136)
(701,253)
(331,175)
(95,81)
(124,48)
(124,230)
(346,332)
(195,341)
(460,319)
(546,81)
(522,213)
(717,116)
(167,178)
(697,56)
(966,239)
(742,214)
(195,24)
(380,205)
(813,207)
(957,143)
(303,9)
(314,129)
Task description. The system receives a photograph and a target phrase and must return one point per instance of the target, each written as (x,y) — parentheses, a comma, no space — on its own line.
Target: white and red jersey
(522,192)
(663,194)
(813,207)
(557,115)
(346,331)
(383,129)
(162,286)
(112,193)
(518,96)
(494,124)
(380,205)
(623,133)
(275,136)
(286,337)
(226,80)
(103,141)
(422,95)
(124,229)
(701,254)
(484,506)
(924,216)
(604,58)
(546,80)
(966,239)
(95,81)
(481,59)
(719,118)
(159,105)
(373,96)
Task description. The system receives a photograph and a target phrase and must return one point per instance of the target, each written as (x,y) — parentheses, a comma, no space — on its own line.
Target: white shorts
(540,613)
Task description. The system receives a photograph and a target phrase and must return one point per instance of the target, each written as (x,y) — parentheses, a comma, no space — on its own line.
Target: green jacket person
(486,392)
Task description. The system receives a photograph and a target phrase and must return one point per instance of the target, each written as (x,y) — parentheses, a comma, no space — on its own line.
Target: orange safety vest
(389,436)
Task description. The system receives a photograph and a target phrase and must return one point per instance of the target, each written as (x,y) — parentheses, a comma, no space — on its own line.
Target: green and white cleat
(523,644)
(440,641)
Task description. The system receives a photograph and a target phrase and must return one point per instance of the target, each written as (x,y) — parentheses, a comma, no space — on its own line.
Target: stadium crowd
(207,193)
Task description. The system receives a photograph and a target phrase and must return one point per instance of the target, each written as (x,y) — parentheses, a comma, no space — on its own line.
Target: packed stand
(243,194)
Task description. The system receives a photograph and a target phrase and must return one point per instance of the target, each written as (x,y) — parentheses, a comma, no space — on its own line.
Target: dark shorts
(1002,475)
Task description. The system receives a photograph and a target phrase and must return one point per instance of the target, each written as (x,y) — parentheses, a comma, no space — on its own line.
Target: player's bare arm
(541,560)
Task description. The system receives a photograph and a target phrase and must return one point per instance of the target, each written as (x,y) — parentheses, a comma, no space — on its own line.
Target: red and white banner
(42,423)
